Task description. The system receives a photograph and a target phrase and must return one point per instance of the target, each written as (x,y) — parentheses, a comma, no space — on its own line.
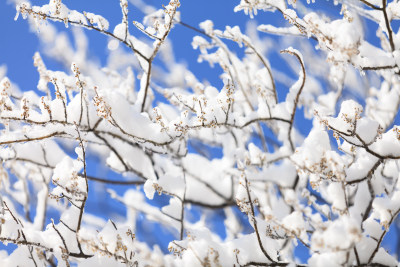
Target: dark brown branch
(88,26)
(183,207)
(210,206)
(30,139)
(25,243)
(356,254)
(382,236)
(371,5)
(369,174)
(113,182)
(385,67)
(81,210)
(254,263)
(153,55)
(254,220)
(388,26)
(296,101)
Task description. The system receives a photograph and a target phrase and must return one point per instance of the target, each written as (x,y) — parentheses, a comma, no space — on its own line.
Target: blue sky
(18,43)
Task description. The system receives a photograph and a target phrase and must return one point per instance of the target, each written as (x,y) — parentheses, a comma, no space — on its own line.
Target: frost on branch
(245,172)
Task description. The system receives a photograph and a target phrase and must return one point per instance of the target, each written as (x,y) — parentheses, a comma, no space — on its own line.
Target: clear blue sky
(18,43)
